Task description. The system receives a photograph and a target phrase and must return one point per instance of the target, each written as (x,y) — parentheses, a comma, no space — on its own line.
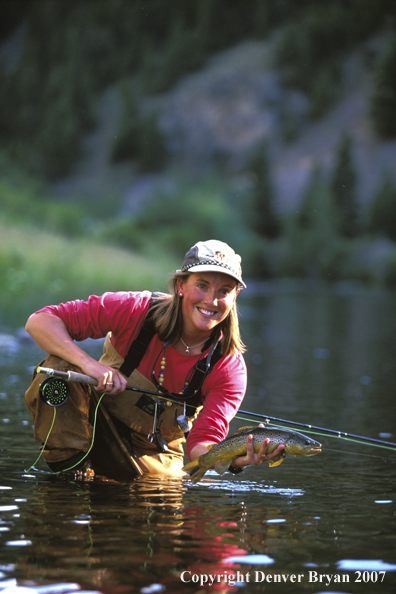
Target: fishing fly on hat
(213,256)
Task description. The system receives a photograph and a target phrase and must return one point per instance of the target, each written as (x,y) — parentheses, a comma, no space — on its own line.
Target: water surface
(317,355)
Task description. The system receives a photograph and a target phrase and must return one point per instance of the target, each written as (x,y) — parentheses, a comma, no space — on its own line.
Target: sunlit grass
(38,268)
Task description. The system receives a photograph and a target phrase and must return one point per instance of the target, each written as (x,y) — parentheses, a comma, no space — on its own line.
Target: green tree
(264,218)
(383,101)
(382,213)
(307,216)
(343,190)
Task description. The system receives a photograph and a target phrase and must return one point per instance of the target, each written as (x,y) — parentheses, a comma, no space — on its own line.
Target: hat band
(211,263)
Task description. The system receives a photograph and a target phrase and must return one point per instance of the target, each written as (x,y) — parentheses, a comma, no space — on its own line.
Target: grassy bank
(38,268)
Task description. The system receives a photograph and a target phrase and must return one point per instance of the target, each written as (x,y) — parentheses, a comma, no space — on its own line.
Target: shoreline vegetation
(52,251)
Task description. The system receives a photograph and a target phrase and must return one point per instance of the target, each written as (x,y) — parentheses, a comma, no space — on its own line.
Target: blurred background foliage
(73,51)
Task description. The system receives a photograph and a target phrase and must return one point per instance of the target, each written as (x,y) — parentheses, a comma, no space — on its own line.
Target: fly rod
(73,376)
(329,431)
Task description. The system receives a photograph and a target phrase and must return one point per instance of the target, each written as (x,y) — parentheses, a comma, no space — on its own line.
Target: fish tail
(194,470)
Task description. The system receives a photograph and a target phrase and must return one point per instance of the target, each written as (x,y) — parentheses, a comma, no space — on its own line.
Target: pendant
(187,351)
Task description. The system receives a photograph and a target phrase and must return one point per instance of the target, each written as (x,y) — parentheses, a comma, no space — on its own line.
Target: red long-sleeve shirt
(122,314)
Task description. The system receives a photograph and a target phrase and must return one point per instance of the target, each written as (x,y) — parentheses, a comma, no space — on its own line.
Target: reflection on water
(324,357)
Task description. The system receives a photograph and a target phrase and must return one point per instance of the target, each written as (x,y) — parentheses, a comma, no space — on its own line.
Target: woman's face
(207,300)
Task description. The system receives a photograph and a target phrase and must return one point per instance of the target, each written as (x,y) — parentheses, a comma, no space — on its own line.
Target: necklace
(161,377)
(190,377)
(191,347)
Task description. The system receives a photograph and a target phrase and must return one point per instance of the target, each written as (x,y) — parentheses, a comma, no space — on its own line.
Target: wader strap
(138,348)
(200,368)
(140,344)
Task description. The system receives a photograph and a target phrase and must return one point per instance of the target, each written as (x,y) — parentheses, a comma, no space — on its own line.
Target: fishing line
(49,433)
(355,453)
(44,444)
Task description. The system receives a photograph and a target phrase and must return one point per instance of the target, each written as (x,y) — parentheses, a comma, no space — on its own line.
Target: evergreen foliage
(383,101)
(343,190)
(311,47)
(264,219)
(307,215)
(139,137)
(382,213)
(73,49)
(312,247)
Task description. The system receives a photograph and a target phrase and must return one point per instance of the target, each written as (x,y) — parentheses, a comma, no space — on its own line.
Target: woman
(192,359)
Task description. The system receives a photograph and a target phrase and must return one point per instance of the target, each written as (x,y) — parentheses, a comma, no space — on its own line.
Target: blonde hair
(167,316)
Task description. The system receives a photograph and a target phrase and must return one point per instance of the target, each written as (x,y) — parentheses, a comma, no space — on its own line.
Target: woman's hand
(254,459)
(109,380)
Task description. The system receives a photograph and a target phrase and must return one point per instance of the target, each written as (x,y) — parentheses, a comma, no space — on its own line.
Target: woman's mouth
(206,312)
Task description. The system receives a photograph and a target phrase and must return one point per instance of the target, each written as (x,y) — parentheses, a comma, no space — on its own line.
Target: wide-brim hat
(213,256)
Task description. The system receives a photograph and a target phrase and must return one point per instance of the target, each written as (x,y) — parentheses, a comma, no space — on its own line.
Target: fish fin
(222,465)
(248,428)
(194,470)
(191,467)
(276,460)
(197,475)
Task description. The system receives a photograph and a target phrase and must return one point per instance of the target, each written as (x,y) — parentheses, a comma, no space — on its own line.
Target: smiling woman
(184,346)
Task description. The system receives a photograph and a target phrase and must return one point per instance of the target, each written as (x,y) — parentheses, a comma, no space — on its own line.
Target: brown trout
(221,454)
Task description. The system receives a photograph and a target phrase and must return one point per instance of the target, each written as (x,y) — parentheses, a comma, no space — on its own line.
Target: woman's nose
(211,297)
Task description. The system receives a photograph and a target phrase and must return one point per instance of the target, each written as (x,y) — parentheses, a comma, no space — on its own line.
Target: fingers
(278,450)
(110,381)
(262,455)
(255,459)
(250,448)
(106,382)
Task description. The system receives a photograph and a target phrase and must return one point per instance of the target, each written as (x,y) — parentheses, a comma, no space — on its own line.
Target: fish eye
(307,442)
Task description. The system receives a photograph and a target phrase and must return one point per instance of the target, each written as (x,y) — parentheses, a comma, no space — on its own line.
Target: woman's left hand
(254,459)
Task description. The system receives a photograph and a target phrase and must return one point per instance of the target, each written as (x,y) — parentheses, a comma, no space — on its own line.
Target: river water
(316,354)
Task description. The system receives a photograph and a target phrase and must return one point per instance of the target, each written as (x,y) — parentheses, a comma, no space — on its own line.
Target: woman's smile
(205,312)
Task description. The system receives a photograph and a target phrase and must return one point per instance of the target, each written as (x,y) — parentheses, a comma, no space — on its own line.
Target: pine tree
(343,190)
(382,214)
(383,101)
(264,218)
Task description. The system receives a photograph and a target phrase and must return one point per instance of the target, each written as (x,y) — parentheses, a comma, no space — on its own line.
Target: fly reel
(54,391)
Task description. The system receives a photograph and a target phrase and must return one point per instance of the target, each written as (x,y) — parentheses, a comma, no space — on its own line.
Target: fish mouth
(314,450)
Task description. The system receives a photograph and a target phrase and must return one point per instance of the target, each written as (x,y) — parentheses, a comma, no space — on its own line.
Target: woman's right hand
(109,380)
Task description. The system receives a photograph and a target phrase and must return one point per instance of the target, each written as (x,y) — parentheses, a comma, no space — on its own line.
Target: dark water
(316,355)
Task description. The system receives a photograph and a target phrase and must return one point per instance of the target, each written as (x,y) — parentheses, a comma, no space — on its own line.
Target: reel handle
(70,376)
